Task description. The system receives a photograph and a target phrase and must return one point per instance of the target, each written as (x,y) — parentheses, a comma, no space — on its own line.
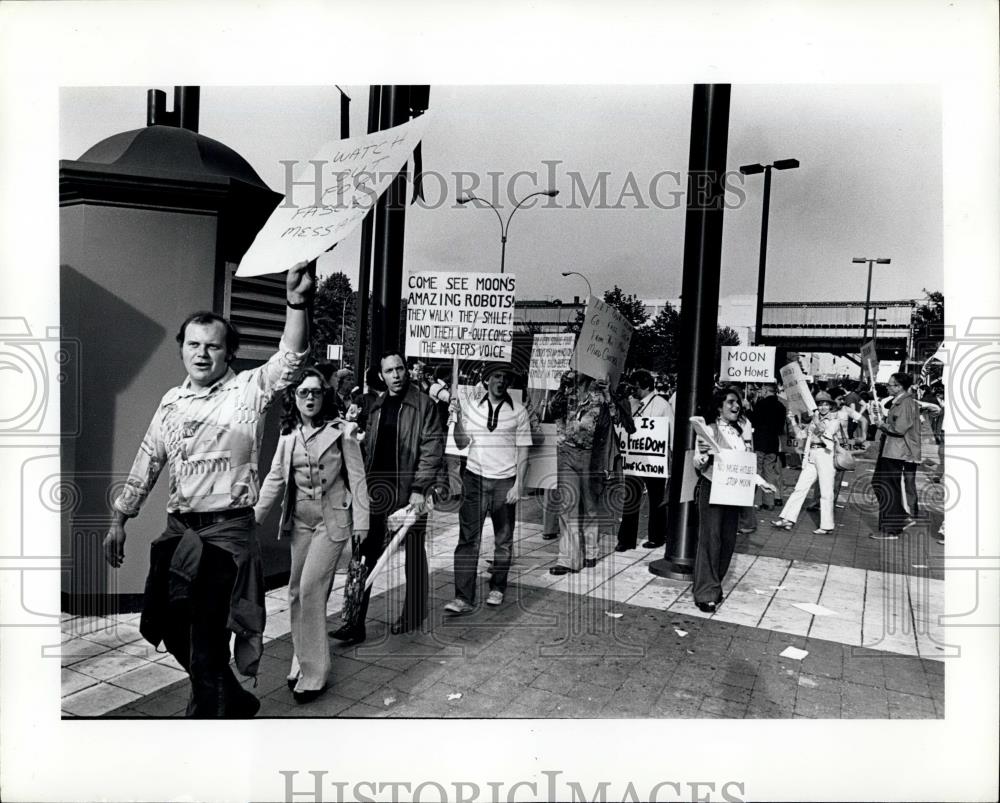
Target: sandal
(783,524)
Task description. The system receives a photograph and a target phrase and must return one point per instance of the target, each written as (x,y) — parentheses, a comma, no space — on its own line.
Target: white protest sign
(550,358)
(702,429)
(747,364)
(334,351)
(689,477)
(800,399)
(468,315)
(645,451)
(330,196)
(604,340)
(733,475)
(542,469)
(869,359)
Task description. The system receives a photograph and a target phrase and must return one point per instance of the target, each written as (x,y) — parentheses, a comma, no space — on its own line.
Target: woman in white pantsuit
(817,463)
(319,466)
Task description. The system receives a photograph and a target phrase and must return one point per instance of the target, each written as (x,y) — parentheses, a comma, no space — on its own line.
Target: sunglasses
(305,393)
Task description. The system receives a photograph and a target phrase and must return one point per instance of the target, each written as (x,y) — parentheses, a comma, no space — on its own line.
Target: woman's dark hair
(719,396)
(330,409)
(442,373)
(205,318)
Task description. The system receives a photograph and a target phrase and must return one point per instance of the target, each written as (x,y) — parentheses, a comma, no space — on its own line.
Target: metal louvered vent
(257,307)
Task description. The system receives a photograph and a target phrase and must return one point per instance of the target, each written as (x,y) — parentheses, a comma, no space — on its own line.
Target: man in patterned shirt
(205,579)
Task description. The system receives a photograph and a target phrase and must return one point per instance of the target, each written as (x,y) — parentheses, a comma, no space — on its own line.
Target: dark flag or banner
(420,96)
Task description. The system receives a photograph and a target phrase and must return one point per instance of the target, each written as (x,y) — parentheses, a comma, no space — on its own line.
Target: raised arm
(300,286)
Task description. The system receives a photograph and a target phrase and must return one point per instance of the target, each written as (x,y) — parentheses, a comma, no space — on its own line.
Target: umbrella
(404,518)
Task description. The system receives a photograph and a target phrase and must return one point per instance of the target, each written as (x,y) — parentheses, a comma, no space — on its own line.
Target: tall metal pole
(699,310)
(390,221)
(365,266)
(868,300)
(763,255)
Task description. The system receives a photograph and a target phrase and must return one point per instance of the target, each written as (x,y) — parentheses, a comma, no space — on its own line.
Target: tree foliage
(928,325)
(331,316)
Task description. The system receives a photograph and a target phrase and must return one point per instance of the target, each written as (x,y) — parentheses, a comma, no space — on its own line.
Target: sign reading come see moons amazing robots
(460,315)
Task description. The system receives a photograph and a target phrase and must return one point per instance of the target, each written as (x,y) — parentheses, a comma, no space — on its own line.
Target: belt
(197,521)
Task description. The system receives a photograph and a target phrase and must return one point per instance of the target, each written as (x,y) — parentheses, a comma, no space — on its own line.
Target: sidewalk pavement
(612,641)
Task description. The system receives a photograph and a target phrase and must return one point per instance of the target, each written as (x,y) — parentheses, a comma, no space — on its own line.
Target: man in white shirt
(497,431)
(646,403)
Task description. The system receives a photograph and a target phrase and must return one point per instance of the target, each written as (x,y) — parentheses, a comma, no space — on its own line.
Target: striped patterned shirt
(209,439)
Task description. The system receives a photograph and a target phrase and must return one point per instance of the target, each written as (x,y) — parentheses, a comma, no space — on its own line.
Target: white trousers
(819,464)
(314,563)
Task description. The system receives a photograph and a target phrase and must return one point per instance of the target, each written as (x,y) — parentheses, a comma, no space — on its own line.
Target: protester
(404,444)
(205,577)
(319,472)
(497,433)
(817,438)
(418,373)
(343,384)
(898,444)
(748,513)
(585,418)
(717,524)
(768,419)
(449,482)
(851,401)
(646,403)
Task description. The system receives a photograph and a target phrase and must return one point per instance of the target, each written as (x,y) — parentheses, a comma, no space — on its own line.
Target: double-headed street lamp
(749,170)
(504,227)
(868,295)
(577,273)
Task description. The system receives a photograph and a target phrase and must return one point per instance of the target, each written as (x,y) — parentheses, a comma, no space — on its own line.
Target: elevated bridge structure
(838,327)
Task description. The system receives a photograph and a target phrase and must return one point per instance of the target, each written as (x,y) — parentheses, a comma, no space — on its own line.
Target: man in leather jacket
(404,447)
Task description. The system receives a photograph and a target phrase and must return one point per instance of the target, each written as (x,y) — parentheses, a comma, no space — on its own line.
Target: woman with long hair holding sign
(819,437)
(717,523)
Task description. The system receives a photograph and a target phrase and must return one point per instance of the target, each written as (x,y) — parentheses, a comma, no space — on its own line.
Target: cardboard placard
(604,340)
(542,467)
(645,453)
(800,399)
(869,359)
(747,364)
(330,196)
(733,480)
(551,356)
(689,479)
(467,315)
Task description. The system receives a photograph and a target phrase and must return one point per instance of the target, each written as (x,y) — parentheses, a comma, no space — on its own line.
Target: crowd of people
(355,461)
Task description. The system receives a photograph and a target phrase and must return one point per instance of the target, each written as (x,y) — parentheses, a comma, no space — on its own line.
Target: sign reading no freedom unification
(466,315)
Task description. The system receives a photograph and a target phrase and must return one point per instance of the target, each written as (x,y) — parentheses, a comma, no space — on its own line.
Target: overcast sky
(869,183)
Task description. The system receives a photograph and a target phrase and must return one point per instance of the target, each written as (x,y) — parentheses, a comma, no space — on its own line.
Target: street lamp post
(749,170)
(577,273)
(505,227)
(868,294)
(343,320)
